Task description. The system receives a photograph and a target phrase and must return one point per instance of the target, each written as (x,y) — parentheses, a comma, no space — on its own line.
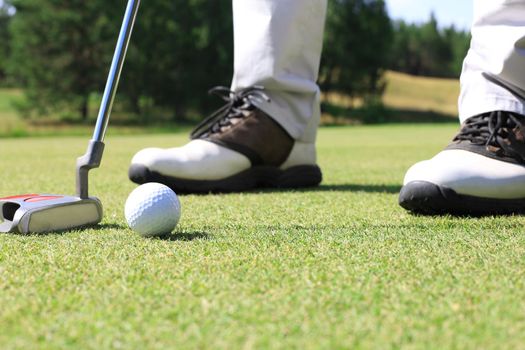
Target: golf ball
(152,209)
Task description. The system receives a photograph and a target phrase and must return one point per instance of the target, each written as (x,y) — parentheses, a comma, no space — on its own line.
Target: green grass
(341,266)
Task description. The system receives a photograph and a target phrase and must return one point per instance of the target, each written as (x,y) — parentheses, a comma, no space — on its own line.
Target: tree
(435,51)
(180,49)
(459,42)
(428,50)
(5,42)
(357,39)
(61,50)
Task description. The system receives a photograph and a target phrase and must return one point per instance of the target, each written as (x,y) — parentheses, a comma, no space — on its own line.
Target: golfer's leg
(278,45)
(493,75)
(482,171)
(256,140)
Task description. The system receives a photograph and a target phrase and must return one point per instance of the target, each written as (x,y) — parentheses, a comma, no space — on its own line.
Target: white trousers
(493,76)
(278,45)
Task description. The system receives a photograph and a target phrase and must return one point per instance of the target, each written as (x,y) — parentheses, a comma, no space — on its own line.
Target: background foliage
(58,52)
(426,50)
(5,42)
(357,36)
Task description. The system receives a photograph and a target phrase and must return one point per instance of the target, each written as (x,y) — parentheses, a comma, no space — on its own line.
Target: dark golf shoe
(237,148)
(482,172)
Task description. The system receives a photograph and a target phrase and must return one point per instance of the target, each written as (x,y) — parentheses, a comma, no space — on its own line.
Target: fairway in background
(406,92)
(407,98)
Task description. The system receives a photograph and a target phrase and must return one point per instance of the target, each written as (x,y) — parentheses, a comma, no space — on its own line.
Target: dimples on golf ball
(152,209)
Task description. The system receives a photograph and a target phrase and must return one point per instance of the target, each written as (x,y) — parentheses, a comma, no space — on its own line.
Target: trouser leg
(278,45)
(493,75)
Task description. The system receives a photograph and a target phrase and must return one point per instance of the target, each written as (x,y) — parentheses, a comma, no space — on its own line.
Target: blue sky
(457,12)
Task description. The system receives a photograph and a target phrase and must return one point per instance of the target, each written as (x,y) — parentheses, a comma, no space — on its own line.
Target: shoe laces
(500,132)
(238,105)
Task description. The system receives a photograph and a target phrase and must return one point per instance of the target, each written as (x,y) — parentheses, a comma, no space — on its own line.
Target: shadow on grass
(340,188)
(76,229)
(378,114)
(109,227)
(355,188)
(185,236)
(415,116)
(386,188)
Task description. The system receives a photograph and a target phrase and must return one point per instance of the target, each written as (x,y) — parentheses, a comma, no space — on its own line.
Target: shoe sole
(253,178)
(426,198)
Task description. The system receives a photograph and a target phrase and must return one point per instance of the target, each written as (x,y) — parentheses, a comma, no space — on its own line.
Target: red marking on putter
(42,199)
(22,196)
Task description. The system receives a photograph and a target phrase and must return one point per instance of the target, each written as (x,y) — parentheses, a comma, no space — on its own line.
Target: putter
(40,213)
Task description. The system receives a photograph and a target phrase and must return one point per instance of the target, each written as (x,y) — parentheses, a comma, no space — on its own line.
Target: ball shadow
(185,236)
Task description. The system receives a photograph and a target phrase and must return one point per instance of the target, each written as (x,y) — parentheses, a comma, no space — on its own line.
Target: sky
(457,12)
(2,3)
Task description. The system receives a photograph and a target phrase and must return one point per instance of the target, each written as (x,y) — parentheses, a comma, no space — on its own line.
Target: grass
(422,94)
(340,266)
(407,99)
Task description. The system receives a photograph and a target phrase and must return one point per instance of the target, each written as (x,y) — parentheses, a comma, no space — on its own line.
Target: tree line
(59,51)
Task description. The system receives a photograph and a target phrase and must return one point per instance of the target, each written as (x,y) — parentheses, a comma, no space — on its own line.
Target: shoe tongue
(239,106)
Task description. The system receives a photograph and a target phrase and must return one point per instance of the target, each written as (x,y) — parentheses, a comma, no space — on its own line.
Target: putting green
(339,266)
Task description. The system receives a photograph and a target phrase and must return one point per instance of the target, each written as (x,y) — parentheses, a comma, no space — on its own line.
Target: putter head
(40,213)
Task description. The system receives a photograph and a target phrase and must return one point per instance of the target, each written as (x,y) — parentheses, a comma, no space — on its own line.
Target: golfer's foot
(482,172)
(238,148)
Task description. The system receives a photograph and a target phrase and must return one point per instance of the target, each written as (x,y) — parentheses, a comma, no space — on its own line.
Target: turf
(340,266)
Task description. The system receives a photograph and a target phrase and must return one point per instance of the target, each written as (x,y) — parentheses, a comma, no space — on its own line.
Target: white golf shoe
(238,148)
(482,172)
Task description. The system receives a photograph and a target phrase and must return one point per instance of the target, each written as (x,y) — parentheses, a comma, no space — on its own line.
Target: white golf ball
(152,209)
